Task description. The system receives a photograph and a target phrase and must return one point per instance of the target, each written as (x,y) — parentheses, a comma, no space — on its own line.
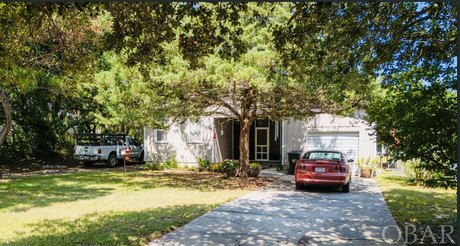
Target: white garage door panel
(345,142)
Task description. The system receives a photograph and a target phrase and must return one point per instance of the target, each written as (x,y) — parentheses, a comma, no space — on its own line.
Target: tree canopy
(240,77)
(118,62)
(280,60)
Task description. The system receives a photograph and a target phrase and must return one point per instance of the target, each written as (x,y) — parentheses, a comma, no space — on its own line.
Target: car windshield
(322,155)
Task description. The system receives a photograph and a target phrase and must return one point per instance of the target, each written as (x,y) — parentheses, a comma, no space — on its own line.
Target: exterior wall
(177,146)
(296,132)
(224,139)
(293,137)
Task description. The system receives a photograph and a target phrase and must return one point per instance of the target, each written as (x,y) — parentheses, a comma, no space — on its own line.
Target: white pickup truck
(108,148)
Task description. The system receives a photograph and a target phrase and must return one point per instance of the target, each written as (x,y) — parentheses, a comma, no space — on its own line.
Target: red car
(323,167)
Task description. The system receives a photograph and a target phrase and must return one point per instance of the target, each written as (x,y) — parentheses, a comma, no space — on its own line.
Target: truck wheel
(112,160)
(141,158)
(88,163)
(298,186)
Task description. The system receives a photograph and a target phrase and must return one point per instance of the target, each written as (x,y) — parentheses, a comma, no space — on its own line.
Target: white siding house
(216,139)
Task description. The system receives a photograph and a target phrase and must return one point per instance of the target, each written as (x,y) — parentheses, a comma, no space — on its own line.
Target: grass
(419,206)
(109,208)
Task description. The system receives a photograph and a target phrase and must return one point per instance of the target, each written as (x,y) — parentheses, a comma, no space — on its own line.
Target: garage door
(345,142)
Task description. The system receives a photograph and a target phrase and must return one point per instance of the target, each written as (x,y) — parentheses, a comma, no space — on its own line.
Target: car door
(134,146)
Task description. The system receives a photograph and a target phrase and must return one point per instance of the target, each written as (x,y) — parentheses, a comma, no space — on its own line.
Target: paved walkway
(280,215)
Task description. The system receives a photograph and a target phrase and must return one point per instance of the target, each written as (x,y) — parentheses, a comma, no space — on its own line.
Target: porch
(264,141)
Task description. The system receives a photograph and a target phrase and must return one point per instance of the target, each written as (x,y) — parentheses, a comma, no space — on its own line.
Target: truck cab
(108,148)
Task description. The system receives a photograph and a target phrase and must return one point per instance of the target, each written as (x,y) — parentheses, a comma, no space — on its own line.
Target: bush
(171,163)
(368,163)
(254,169)
(229,165)
(254,165)
(153,166)
(203,164)
(215,167)
(416,171)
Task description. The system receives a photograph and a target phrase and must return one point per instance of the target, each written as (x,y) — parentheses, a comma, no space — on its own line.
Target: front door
(262,143)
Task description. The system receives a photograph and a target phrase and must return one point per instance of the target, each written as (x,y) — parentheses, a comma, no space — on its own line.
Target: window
(194,132)
(320,155)
(262,123)
(134,142)
(160,136)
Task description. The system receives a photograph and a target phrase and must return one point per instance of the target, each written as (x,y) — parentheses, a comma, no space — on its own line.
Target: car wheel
(346,188)
(88,163)
(112,160)
(298,186)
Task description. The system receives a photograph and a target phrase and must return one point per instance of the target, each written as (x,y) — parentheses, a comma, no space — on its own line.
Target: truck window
(134,142)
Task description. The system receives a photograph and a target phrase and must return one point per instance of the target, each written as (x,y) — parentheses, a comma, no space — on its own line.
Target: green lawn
(420,206)
(109,208)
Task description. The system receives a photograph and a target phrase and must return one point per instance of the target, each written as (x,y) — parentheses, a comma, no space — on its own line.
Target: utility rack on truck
(109,148)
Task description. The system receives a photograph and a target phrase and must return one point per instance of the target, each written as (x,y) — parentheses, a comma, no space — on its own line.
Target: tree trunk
(244,147)
(8,122)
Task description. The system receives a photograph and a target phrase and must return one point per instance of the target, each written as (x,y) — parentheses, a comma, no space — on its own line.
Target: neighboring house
(216,139)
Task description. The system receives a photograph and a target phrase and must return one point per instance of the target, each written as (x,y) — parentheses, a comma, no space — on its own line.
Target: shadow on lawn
(128,228)
(42,191)
(414,205)
(39,191)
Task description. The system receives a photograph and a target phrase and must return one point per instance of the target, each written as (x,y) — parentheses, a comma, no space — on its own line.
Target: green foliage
(204,164)
(215,167)
(422,206)
(170,163)
(101,217)
(247,81)
(41,67)
(368,163)
(246,60)
(155,166)
(229,165)
(124,96)
(416,117)
(255,165)
(415,171)
(44,116)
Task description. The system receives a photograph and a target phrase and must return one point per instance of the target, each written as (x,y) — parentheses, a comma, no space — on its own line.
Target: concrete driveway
(280,215)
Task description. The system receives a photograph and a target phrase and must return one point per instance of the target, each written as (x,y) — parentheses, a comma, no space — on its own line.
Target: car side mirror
(351,160)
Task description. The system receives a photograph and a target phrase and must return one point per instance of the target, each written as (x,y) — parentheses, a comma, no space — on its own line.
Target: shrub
(254,169)
(229,165)
(203,164)
(416,171)
(153,166)
(368,162)
(215,167)
(171,163)
(254,165)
